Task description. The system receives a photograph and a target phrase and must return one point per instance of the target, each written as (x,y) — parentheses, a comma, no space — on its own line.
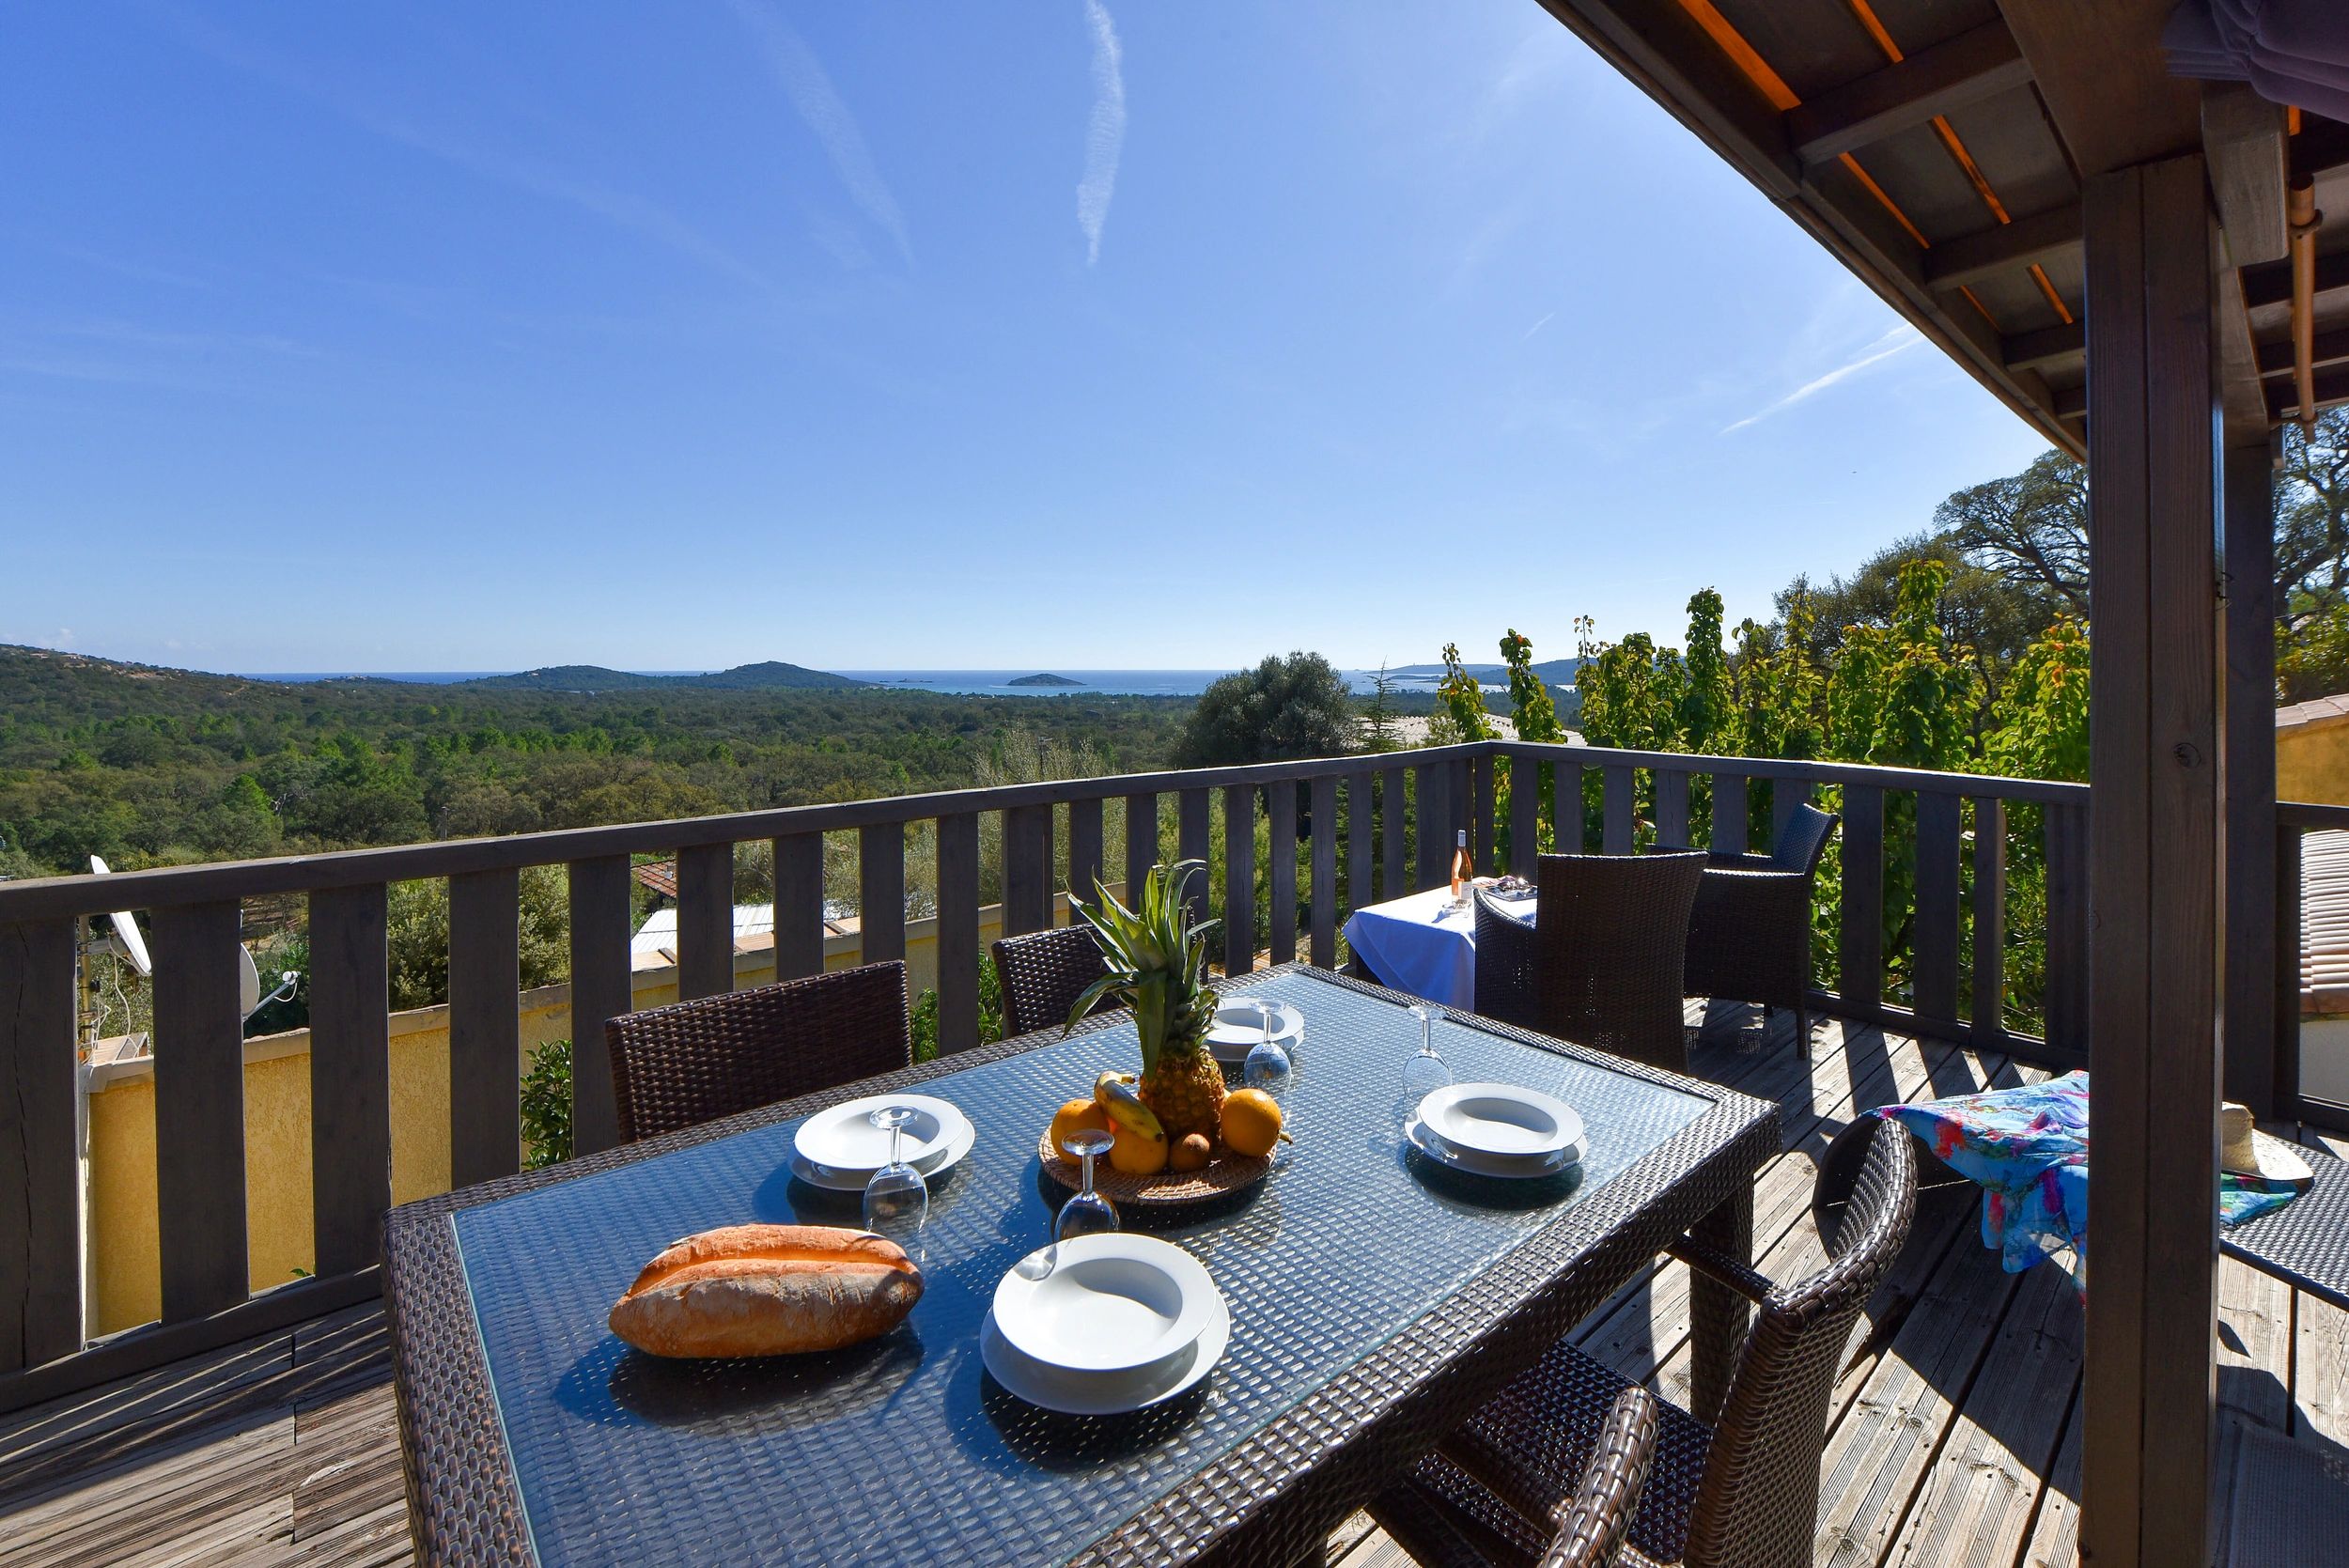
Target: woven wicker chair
(1744,1491)
(694,1062)
(1601,964)
(1043,973)
(1750,936)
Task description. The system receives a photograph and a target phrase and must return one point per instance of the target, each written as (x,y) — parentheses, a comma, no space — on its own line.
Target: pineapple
(1157,967)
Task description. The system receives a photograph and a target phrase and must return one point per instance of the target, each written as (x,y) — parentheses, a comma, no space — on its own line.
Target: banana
(1115,1093)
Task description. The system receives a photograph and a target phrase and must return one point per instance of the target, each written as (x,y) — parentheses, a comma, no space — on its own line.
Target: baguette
(767,1290)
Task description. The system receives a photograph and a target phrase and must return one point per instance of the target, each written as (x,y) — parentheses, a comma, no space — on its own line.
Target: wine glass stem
(896,1143)
(1087,1157)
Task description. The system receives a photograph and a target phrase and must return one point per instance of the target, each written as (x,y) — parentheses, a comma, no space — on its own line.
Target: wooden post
(705,921)
(1027,869)
(199,1110)
(1240,879)
(40,1177)
(1862,982)
(1987,1015)
(1525,814)
(602,989)
(1323,864)
(1281,870)
(350,1077)
(959,957)
(2153,867)
(799,906)
(1394,809)
(880,896)
(1362,812)
(1142,842)
(1085,866)
(1192,841)
(484,1025)
(2254,1073)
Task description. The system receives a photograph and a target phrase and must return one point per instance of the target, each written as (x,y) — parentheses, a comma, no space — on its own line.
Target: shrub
(547,1105)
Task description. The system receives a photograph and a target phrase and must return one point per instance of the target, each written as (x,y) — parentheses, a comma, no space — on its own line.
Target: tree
(1379,714)
(1283,709)
(2030,528)
(1531,709)
(1463,717)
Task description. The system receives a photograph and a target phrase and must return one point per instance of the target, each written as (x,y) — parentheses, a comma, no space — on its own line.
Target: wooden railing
(1340,834)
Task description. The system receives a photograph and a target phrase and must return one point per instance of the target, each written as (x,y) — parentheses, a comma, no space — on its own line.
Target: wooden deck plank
(2319,1368)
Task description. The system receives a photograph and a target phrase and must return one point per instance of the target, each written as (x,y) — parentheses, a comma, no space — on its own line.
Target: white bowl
(959,1142)
(1513,1168)
(1502,1121)
(844,1139)
(1104,1393)
(1236,1030)
(1115,1302)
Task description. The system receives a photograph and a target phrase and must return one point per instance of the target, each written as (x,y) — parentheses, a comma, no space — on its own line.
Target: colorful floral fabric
(2026,1147)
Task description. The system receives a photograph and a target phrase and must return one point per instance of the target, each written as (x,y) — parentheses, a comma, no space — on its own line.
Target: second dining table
(1377,1299)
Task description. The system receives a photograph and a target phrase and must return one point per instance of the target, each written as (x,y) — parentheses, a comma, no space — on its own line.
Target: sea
(986,683)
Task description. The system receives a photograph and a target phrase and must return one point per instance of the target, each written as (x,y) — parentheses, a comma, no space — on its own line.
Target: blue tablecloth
(1421,944)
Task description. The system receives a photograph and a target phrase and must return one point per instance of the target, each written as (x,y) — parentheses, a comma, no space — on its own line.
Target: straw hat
(2246,1151)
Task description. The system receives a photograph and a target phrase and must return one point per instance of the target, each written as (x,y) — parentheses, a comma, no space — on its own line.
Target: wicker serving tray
(1223,1175)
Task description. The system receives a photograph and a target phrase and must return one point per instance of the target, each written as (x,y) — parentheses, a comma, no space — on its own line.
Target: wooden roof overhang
(1938,148)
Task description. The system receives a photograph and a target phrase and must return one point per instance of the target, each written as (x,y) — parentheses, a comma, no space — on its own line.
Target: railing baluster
(705,921)
(959,957)
(1194,842)
(1988,1013)
(484,1026)
(1281,876)
(1729,815)
(1482,804)
(2288,916)
(799,906)
(880,892)
(1142,842)
(1933,948)
(1672,808)
(1435,839)
(2067,927)
(1324,864)
(1084,846)
(1619,824)
(1362,817)
(602,989)
(1525,814)
(199,1110)
(351,1077)
(1393,819)
(1860,985)
(40,1180)
(1240,879)
(1027,869)
(1787,796)
(1565,821)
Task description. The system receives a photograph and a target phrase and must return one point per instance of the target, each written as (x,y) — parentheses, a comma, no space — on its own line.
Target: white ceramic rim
(808,1137)
(1291,1021)
(1096,1393)
(1016,1295)
(1430,1143)
(1566,1123)
(832,1178)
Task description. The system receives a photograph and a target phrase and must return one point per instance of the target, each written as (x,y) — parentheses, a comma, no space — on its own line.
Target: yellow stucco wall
(125,1285)
(2312,761)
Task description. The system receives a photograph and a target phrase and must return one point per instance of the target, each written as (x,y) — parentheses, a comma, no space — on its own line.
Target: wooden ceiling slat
(1814,44)
(2271,282)
(2331,347)
(1967,68)
(1919,173)
(2017,152)
(2047,348)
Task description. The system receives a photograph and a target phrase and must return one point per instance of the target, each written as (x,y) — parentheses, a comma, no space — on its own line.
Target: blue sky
(1093,333)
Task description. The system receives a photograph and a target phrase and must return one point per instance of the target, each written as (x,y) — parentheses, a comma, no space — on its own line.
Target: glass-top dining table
(1377,1299)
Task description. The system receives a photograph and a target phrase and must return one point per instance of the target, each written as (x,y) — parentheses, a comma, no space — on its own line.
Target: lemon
(1252,1122)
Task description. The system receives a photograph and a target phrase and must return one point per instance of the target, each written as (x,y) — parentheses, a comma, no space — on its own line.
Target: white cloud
(1895,341)
(820,106)
(1105,135)
(1538,326)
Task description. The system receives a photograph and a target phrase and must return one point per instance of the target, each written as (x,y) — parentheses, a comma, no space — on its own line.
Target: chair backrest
(1758,1504)
(694,1062)
(1043,973)
(1803,840)
(1612,936)
(1592,1523)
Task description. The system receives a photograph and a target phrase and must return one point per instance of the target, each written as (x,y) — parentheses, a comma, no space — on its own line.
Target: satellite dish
(248,984)
(127,938)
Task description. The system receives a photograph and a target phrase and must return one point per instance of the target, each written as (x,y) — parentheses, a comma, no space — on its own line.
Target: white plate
(931,1165)
(1105,1393)
(845,1138)
(1113,1302)
(1434,1148)
(1505,1121)
(1234,1032)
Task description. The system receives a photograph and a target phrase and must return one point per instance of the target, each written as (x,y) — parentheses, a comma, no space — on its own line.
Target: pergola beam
(1967,68)
(2008,248)
(2047,346)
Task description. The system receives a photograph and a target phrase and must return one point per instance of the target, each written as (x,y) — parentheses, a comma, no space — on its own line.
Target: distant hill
(768,677)
(1044,680)
(1556,672)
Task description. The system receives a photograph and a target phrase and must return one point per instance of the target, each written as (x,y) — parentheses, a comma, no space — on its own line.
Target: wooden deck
(1954,1435)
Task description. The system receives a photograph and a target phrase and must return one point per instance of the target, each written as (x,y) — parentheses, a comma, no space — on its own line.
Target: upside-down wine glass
(1424,1072)
(1271,1068)
(1088,1212)
(896,1199)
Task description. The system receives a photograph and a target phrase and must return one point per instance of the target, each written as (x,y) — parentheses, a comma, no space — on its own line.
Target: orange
(1138,1154)
(1075,1117)
(1252,1122)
